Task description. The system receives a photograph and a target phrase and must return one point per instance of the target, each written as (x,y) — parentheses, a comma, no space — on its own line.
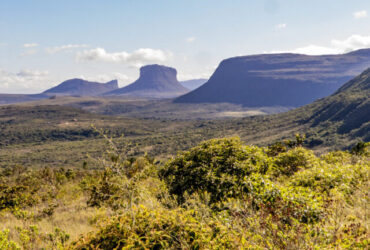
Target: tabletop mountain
(82,87)
(278,79)
(155,81)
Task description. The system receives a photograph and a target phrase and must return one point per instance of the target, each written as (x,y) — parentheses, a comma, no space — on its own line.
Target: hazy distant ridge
(82,87)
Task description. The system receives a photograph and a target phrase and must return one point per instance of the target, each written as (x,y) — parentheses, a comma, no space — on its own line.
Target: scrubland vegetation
(220,194)
(166,184)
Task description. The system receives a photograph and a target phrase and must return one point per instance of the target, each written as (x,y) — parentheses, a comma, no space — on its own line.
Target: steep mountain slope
(82,88)
(155,81)
(347,111)
(337,121)
(278,79)
(193,84)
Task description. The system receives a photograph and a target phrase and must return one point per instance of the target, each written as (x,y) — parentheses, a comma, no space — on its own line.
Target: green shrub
(290,162)
(361,148)
(5,243)
(160,229)
(12,197)
(325,177)
(283,203)
(118,185)
(216,166)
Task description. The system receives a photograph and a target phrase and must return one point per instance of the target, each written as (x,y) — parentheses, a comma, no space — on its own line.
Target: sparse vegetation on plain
(219,194)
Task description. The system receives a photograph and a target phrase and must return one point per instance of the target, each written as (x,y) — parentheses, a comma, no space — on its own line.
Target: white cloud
(353,42)
(337,46)
(281,26)
(360,14)
(56,49)
(207,72)
(30,45)
(30,49)
(315,50)
(136,58)
(29,52)
(32,74)
(23,81)
(190,39)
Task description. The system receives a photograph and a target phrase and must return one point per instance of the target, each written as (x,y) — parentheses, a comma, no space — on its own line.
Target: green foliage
(5,243)
(361,148)
(160,229)
(216,166)
(31,238)
(282,203)
(290,162)
(325,177)
(283,146)
(58,239)
(220,194)
(118,185)
(19,190)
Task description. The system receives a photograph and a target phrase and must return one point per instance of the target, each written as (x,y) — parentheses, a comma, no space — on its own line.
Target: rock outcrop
(155,81)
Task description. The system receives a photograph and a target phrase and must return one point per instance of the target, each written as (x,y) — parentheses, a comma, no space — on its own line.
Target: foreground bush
(218,195)
(160,229)
(218,167)
(290,162)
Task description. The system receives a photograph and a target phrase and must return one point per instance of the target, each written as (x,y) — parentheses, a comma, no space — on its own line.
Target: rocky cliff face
(82,87)
(155,81)
(278,79)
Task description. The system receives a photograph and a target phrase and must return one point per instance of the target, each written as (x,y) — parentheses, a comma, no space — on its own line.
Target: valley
(115,149)
(33,132)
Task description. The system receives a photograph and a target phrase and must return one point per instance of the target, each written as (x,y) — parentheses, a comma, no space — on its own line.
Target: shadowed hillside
(82,88)
(278,79)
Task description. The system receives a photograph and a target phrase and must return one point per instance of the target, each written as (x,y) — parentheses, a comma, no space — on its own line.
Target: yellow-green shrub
(290,162)
(160,229)
(217,166)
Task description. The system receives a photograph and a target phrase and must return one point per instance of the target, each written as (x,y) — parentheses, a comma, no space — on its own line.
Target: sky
(45,42)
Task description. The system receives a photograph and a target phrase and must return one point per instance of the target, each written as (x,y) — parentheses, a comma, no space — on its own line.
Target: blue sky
(43,42)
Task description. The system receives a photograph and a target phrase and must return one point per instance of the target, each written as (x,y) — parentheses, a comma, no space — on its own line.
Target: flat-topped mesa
(278,79)
(155,81)
(82,88)
(157,73)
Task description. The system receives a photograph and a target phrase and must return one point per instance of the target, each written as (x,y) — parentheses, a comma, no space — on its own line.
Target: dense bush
(325,177)
(220,194)
(288,163)
(160,229)
(283,203)
(217,166)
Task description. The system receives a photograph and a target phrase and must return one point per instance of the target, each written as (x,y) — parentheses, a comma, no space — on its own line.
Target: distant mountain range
(286,80)
(155,81)
(82,87)
(193,84)
(278,79)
